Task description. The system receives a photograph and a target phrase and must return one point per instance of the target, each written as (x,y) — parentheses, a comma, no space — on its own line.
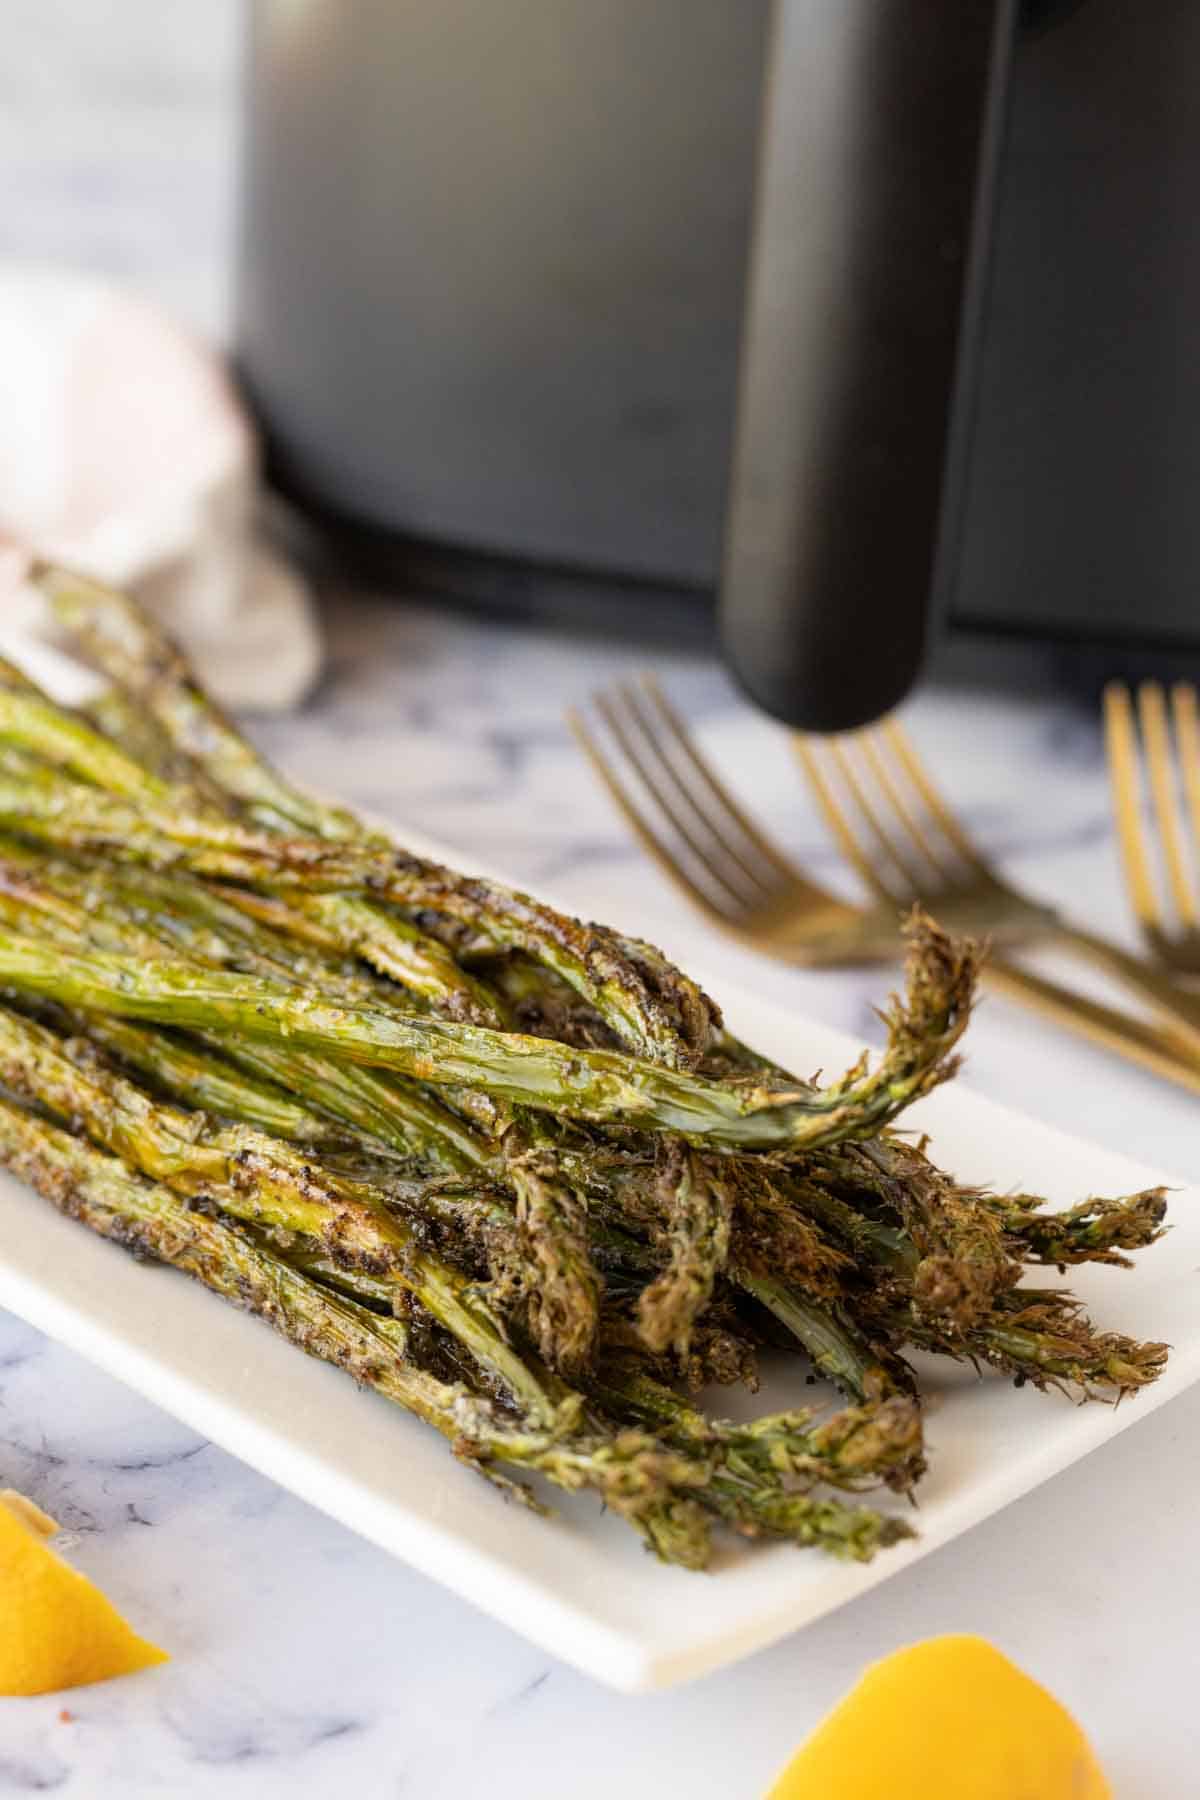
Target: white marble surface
(118,143)
(306,1662)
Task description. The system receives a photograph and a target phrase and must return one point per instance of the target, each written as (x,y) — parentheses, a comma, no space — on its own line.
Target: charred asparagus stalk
(560,1287)
(694,1221)
(655,1009)
(60,906)
(858,1448)
(255,1178)
(824,1338)
(204,1080)
(1096,1230)
(1046,1340)
(267,1182)
(644,1481)
(588,1085)
(46,731)
(57,738)
(762,1475)
(364,1140)
(616,975)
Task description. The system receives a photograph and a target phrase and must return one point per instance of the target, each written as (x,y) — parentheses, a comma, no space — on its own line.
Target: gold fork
(910,846)
(710,848)
(1172,755)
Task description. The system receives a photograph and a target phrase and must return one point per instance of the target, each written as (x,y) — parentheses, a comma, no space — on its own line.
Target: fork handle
(1134,1039)
(1140,977)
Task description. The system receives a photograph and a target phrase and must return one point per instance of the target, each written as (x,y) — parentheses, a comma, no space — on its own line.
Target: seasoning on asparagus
(652,1005)
(596,1085)
(291,1047)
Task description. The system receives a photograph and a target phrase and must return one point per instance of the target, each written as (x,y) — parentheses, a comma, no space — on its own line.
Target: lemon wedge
(948,1719)
(56,1629)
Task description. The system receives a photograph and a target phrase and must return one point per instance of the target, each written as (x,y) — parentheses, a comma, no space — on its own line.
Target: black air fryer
(872,318)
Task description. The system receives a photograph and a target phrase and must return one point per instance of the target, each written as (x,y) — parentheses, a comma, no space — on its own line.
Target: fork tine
(1187,737)
(648,767)
(906,751)
(647,837)
(910,879)
(875,749)
(836,819)
(1156,737)
(745,884)
(719,805)
(1121,744)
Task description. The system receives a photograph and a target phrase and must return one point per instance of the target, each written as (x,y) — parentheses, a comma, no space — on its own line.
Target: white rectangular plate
(579,1584)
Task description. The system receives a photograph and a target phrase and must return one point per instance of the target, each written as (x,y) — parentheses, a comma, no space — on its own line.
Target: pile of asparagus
(507,1169)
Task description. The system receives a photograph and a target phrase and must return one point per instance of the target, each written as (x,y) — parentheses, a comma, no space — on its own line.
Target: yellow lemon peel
(947,1719)
(57,1630)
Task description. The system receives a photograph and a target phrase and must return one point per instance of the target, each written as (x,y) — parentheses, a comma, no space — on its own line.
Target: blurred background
(118,145)
(875,332)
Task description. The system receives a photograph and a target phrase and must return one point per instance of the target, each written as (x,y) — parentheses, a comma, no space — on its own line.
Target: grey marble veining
(307,1662)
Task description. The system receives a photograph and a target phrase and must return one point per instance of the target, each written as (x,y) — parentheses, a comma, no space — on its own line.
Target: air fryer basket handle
(880,128)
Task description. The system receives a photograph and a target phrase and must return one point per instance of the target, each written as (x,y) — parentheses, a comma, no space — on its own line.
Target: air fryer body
(499,288)
(1077,520)
(493,268)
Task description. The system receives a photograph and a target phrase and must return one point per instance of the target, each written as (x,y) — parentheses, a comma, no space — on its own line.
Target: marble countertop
(307,1662)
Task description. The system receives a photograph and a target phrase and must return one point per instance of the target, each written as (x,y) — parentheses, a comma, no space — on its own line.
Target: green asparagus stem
(59,738)
(762,1475)
(561,1284)
(837,1350)
(765,1472)
(427,1172)
(117,716)
(339,925)
(589,1085)
(205,926)
(390,943)
(282,916)
(200,1078)
(655,1009)
(260,1180)
(689,1211)
(858,1448)
(61,906)
(1044,1339)
(394,946)
(81,906)
(118,638)
(395,1117)
(965,1261)
(175,834)
(645,1482)
(246,1172)
(1096,1230)
(629,983)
